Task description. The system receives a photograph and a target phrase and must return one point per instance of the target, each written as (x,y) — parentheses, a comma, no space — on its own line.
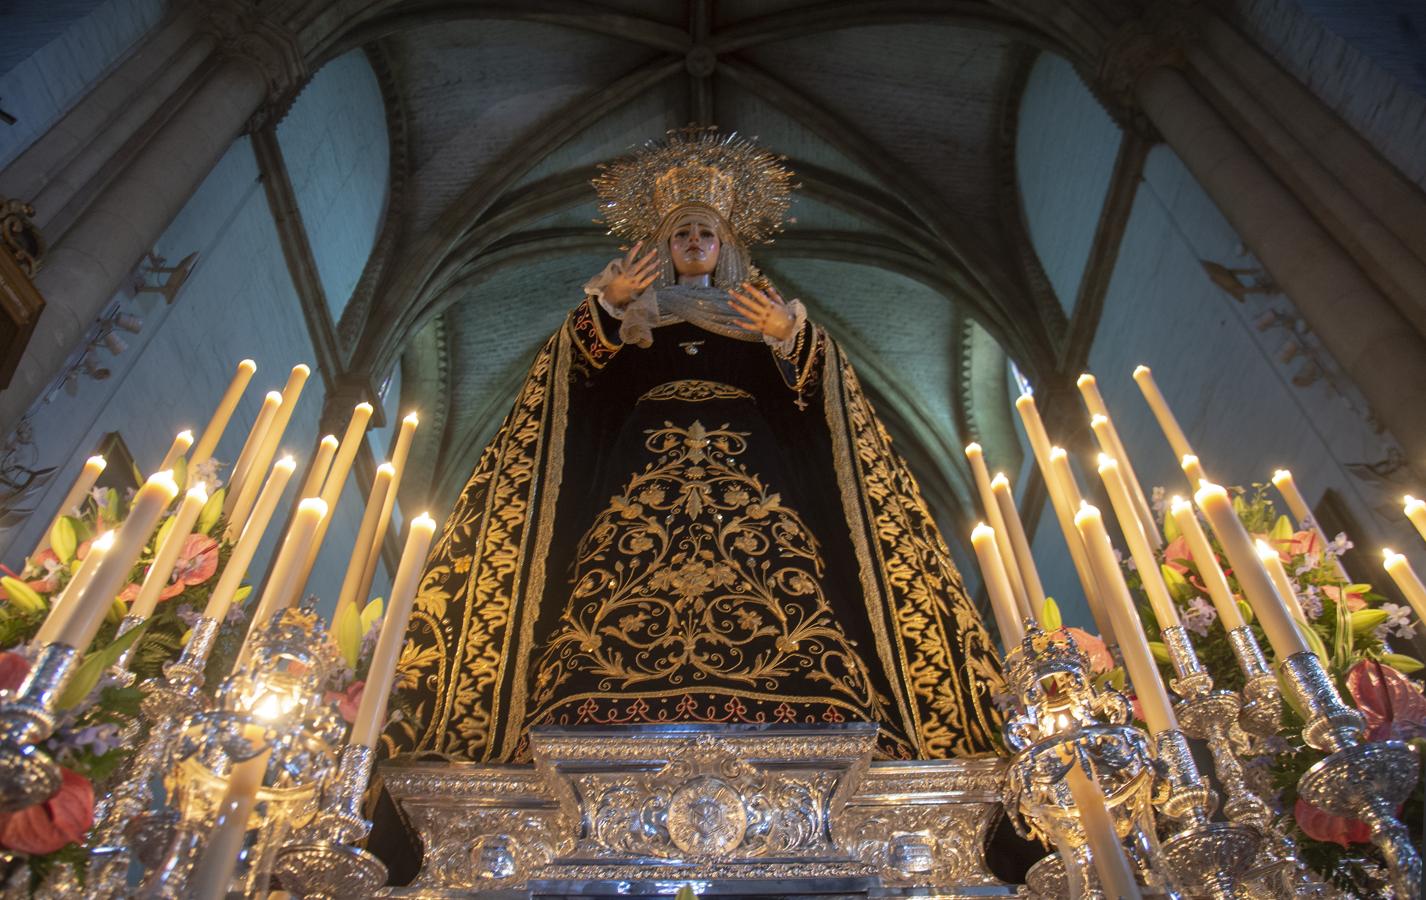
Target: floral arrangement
(100,723)
(1350,627)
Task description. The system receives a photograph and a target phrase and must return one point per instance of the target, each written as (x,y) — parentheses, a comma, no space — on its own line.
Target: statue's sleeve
(800,358)
(594,332)
(633,323)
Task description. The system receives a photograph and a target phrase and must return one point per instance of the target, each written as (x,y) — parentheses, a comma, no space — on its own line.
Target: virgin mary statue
(692,513)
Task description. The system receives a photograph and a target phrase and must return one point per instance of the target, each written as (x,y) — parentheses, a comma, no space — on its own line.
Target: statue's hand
(763,312)
(638,273)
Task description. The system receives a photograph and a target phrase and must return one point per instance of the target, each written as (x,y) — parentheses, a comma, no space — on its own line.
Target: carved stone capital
(256,33)
(1155,39)
(347,392)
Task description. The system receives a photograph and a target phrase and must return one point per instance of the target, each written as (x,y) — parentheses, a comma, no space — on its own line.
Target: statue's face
(694,244)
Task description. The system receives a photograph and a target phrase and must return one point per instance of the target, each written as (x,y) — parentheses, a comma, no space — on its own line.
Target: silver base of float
(726,810)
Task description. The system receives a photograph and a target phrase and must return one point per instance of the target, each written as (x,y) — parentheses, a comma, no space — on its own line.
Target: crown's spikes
(748,186)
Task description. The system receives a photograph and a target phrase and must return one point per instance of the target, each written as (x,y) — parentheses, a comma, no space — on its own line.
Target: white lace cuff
(799,319)
(638,318)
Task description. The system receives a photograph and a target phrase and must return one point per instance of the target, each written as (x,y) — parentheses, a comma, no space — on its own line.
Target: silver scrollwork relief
(700,802)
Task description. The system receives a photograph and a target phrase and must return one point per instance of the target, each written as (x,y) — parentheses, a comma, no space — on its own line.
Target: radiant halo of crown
(750,187)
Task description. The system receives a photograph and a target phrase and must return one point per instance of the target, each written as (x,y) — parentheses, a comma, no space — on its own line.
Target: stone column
(1140,78)
(1368,336)
(253,62)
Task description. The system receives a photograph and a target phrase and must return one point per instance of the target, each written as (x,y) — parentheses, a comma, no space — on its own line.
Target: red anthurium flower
(1393,707)
(13,669)
(348,701)
(197,562)
(1323,826)
(62,819)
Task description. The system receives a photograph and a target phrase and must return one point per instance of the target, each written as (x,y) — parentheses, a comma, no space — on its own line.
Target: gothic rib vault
(908,241)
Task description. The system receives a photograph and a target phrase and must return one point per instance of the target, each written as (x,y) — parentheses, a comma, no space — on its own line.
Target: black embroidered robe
(705,529)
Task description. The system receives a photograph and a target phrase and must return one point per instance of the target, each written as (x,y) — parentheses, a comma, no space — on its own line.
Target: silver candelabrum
(272,704)
(28,716)
(127,823)
(323,862)
(1064,721)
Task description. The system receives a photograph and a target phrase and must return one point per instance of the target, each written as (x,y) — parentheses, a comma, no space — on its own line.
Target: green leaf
(371,615)
(83,530)
(1050,618)
(1113,678)
(62,539)
(1240,507)
(112,513)
(100,768)
(1178,586)
(1171,532)
(1289,696)
(1402,663)
(1245,611)
(1282,531)
(123,701)
(23,596)
(117,610)
(1160,651)
(1364,621)
(346,631)
(164,531)
(1314,640)
(94,665)
(211,511)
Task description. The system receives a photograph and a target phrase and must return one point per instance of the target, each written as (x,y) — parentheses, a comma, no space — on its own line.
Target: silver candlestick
(28,716)
(1261,712)
(1209,715)
(127,823)
(1362,780)
(1209,857)
(325,864)
(271,704)
(1064,721)
(119,671)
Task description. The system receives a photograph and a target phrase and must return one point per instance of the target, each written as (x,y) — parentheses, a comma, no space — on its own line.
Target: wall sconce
(1239,283)
(170,286)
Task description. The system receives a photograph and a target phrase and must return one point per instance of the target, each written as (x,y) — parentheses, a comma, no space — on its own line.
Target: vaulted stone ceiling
(907,242)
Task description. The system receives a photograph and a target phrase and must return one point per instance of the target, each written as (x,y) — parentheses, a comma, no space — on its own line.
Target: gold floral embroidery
(693,390)
(464,664)
(698,576)
(951,682)
(469,592)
